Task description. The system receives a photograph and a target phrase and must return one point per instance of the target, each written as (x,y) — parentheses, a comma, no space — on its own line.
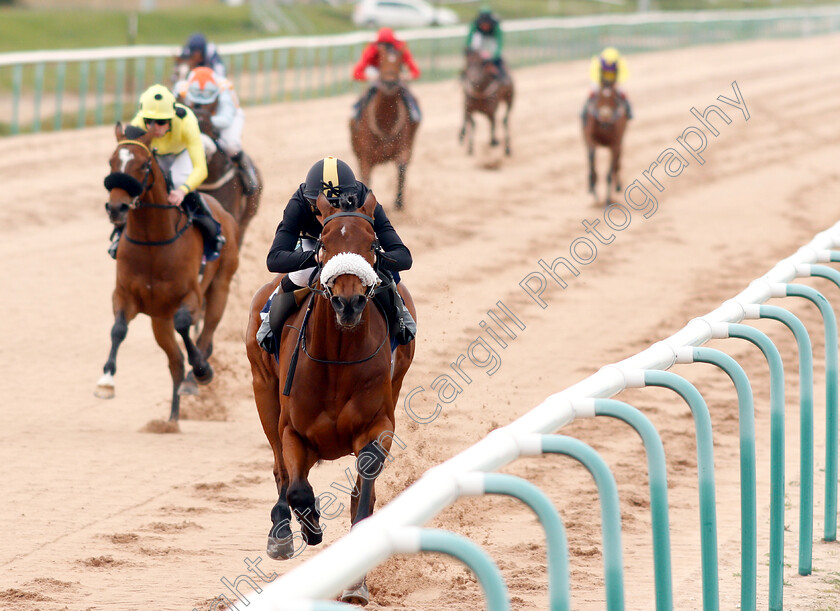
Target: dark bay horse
(345,385)
(224,180)
(384,132)
(604,122)
(158,264)
(484,89)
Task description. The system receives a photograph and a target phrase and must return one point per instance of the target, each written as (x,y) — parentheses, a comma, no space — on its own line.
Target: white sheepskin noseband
(348,263)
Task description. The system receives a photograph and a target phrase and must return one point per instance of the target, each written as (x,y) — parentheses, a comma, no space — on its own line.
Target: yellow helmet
(157,102)
(610,55)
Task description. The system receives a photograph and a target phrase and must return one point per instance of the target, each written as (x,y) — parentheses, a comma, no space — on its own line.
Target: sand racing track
(98,514)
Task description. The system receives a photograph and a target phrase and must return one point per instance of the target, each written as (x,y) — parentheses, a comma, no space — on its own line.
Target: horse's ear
(370,204)
(118,131)
(324,207)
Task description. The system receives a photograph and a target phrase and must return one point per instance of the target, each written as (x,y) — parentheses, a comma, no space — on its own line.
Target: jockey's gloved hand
(371,73)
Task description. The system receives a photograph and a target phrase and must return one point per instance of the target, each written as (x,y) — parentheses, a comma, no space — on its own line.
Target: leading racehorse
(343,381)
(484,89)
(604,123)
(384,132)
(159,263)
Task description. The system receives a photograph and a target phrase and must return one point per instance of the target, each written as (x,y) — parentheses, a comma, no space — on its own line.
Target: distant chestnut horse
(224,181)
(158,264)
(484,89)
(384,132)
(605,119)
(344,387)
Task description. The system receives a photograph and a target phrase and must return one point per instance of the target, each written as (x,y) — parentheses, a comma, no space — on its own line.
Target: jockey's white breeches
(230,138)
(177,167)
(301,276)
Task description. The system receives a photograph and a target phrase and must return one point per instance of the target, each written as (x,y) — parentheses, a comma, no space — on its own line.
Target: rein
(300,343)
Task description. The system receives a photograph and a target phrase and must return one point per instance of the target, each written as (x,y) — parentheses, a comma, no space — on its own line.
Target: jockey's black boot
(115,242)
(250,183)
(194,203)
(362,102)
(414,114)
(401,325)
(282,305)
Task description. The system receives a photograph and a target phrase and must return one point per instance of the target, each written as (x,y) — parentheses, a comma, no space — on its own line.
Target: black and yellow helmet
(331,176)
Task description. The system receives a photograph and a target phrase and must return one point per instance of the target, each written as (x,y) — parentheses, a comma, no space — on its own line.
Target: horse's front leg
(493,140)
(401,168)
(616,166)
(299,459)
(369,463)
(592,175)
(472,135)
(507,130)
(183,320)
(164,331)
(463,131)
(105,385)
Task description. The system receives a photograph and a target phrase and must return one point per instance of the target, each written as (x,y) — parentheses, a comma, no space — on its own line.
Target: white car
(401,13)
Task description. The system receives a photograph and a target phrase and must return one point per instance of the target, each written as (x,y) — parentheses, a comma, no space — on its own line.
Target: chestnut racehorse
(384,132)
(484,89)
(605,119)
(345,385)
(224,180)
(158,264)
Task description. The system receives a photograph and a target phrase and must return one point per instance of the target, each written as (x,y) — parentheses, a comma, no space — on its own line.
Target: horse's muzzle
(348,311)
(117,212)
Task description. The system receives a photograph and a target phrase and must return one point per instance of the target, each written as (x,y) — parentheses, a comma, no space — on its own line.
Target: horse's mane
(132,132)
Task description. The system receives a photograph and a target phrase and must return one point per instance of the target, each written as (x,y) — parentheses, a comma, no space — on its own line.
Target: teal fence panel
(37,88)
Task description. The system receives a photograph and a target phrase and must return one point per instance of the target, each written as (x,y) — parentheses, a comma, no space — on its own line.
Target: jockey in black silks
(293,250)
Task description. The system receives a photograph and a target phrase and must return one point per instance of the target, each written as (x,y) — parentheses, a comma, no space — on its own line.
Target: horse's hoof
(105,387)
(188,386)
(204,377)
(507,151)
(494,143)
(356,594)
(280,549)
(104,392)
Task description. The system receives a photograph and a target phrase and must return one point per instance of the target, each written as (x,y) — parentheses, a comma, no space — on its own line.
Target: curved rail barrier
(373,540)
(73,88)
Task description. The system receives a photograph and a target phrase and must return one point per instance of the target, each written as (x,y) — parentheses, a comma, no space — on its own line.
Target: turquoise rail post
(17,87)
(119,90)
(806,434)
(139,76)
(36,102)
(268,73)
(99,111)
(253,75)
(746,428)
(238,68)
(705,475)
(60,72)
(559,596)
(777,455)
(297,95)
(282,64)
(158,70)
(488,574)
(658,484)
(610,513)
(830,330)
(831,418)
(84,70)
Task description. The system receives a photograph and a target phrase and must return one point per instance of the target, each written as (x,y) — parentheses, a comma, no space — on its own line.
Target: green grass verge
(27,30)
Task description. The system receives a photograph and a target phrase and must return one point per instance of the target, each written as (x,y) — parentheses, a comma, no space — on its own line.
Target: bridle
(327,293)
(375,247)
(136,189)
